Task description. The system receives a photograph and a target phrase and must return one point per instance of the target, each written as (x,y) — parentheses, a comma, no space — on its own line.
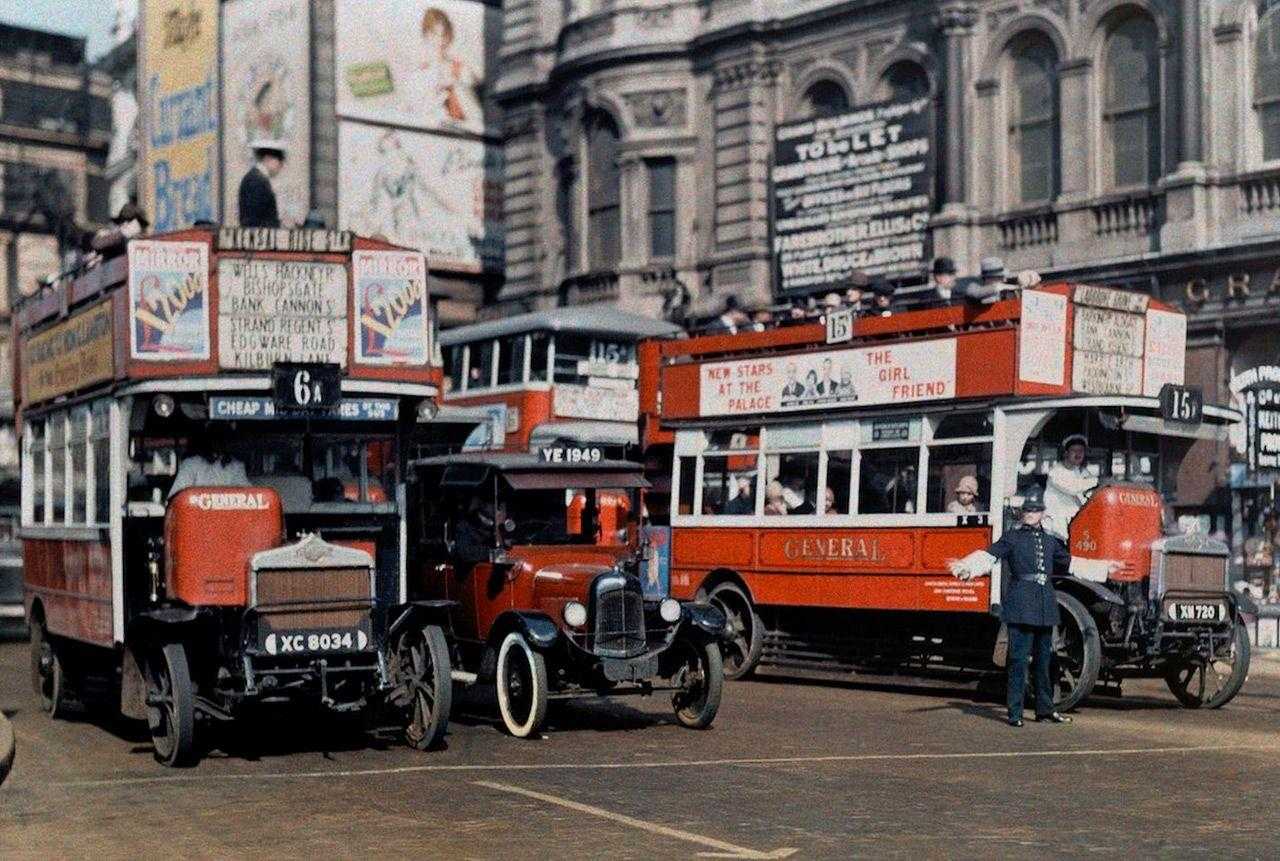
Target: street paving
(792,768)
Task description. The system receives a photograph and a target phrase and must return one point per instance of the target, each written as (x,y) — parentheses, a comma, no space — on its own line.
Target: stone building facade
(1127,142)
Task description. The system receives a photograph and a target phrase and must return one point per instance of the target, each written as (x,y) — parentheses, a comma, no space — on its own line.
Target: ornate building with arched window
(1126,142)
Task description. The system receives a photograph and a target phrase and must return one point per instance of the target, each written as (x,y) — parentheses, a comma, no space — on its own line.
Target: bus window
(887,480)
(688,467)
(959,478)
(101,462)
(36,458)
(570,350)
(729,472)
(480,366)
(57,468)
(839,473)
(797,472)
(511,360)
(78,466)
(539,348)
(457,366)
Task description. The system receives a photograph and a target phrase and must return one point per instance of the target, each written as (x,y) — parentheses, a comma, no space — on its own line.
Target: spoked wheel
(744,635)
(48,674)
(171,705)
(522,686)
(1077,654)
(425,688)
(1214,683)
(700,677)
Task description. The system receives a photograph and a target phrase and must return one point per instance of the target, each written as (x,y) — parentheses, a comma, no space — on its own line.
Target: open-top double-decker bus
(214,427)
(818,472)
(565,376)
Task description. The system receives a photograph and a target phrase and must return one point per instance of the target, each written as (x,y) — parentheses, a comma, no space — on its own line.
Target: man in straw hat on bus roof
(257,199)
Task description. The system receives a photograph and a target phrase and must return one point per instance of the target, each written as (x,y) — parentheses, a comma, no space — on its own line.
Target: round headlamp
(163,405)
(575,614)
(428,410)
(669,610)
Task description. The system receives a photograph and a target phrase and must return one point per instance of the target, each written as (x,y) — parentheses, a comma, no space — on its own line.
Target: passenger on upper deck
(203,468)
(943,283)
(882,304)
(1069,482)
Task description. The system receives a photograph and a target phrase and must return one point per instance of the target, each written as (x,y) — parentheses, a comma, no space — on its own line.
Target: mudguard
(1087,589)
(702,620)
(421,611)
(1245,605)
(538,628)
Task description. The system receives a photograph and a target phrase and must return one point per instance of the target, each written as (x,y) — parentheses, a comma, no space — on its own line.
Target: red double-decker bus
(821,478)
(562,376)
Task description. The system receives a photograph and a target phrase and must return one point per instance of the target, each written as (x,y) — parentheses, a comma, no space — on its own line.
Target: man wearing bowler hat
(942,282)
(1029,605)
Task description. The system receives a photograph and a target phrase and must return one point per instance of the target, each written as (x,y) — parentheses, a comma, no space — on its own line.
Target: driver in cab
(476,529)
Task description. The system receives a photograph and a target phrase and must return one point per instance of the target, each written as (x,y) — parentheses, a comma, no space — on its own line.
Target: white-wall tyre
(522,686)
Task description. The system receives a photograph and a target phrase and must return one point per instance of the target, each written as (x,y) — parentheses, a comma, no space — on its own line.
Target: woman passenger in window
(966,501)
(775,498)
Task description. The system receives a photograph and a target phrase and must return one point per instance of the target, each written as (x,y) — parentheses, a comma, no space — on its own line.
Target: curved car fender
(1245,605)
(704,620)
(415,611)
(538,628)
(1087,589)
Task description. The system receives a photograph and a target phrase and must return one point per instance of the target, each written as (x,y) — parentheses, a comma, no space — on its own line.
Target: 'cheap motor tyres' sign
(853,192)
(870,376)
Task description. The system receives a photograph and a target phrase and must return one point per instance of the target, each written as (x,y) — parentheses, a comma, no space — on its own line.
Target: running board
(462,677)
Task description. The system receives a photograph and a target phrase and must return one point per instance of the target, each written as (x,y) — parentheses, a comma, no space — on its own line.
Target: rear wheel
(48,673)
(423,670)
(522,686)
(700,677)
(743,632)
(171,705)
(1077,654)
(1214,683)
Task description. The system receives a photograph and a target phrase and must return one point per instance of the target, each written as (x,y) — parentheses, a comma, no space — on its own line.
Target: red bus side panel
(71,581)
(873,569)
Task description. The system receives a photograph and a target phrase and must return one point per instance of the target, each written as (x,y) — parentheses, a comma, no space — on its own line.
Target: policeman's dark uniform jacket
(1033,556)
(257,200)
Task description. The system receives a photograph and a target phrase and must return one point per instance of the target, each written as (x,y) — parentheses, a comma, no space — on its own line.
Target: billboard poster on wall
(391,307)
(441,195)
(853,192)
(414,63)
(168,300)
(178,112)
(266,96)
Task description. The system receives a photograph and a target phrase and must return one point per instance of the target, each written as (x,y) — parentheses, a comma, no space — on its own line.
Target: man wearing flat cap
(1029,603)
(257,199)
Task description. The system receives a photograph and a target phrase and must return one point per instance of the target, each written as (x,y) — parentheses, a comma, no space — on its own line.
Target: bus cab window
(480,366)
(887,480)
(539,347)
(457,360)
(511,360)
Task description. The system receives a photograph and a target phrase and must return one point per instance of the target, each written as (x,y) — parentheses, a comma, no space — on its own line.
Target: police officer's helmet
(1033,499)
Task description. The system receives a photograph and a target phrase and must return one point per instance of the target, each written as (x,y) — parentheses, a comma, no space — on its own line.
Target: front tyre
(1077,654)
(425,689)
(171,706)
(743,631)
(1214,683)
(522,686)
(700,679)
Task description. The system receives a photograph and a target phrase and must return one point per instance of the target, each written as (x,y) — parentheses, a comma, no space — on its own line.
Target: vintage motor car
(545,604)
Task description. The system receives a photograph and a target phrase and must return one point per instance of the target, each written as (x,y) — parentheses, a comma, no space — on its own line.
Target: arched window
(824,99)
(604,193)
(1033,119)
(1131,102)
(1266,83)
(905,80)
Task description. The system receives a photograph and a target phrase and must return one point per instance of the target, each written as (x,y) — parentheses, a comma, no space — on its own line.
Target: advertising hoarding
(392,311)
(441,195)
(869,376)
(419,65)
(178,112)
(71,355)
(853,192)
(281,311)
(168,300)
(266,96)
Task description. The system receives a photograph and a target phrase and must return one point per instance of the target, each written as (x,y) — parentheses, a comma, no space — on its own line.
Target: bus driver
(1069,482)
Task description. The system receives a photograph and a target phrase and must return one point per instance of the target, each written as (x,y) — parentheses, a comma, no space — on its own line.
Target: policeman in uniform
(1029,606)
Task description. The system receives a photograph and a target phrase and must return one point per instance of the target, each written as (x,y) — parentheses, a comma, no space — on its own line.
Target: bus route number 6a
(301,386)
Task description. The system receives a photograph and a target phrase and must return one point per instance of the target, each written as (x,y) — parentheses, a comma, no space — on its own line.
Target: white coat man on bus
(1069,483)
